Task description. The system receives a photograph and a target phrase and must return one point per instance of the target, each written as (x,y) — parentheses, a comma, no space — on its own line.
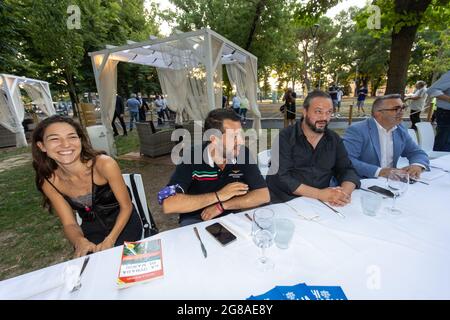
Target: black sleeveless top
(100,217)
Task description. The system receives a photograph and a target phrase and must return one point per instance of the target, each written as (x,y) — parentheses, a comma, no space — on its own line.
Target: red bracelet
(219,207)
(219,202)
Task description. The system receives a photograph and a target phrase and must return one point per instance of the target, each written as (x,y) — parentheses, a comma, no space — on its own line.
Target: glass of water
(398,181)
(263,231)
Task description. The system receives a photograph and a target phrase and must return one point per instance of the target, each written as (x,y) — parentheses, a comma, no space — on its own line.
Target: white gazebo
(12,111)
(189,67)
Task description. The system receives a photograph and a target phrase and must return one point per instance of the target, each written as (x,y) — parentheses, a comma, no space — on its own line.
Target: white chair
(263,162)
(426,135)
(413,135)
(148,222)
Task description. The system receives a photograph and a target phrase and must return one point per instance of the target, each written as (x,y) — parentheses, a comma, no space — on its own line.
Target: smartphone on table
(220,233)
(383,191)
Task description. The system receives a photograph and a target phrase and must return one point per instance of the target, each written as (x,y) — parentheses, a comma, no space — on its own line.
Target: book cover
(141,262)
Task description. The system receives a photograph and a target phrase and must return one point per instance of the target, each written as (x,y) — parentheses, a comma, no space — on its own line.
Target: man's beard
(313,127)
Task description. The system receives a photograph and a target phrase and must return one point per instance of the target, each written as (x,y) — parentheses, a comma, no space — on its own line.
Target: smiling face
(61,143)
(318,114)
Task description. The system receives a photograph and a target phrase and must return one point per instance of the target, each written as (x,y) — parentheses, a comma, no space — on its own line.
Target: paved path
(15,161)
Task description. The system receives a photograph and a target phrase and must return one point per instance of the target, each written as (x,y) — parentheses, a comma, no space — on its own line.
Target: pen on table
(248,217)
(445,170)
(415,180)
(201,243)
(334,210)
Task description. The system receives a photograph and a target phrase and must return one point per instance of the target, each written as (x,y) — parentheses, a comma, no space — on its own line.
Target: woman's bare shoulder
(105,163)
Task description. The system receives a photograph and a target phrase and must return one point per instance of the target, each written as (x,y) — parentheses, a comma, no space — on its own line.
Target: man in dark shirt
(220,176)
(118,113)
(309,156)
(333,91)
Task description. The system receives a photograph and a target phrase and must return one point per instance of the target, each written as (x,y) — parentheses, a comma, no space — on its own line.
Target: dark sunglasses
(397,109)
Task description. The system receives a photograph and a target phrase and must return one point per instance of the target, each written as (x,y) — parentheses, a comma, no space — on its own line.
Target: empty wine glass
(398,181)
(263,231)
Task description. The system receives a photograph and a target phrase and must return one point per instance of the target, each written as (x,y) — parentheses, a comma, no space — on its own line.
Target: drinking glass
(263,232)
(397,182)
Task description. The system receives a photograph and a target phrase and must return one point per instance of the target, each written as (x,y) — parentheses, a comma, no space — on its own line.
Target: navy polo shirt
(203,178)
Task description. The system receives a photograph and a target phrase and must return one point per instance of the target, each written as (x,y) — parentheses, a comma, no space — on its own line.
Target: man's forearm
(252,199)
(183,203)
(348,187)
(307,191)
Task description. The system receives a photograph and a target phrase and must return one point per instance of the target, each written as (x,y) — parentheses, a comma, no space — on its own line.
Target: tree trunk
(402,43)
(259,9)
(399,59)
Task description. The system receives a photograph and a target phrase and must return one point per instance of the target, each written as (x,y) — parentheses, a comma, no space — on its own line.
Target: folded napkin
(31,285)
(431,175)
(304,208)
(441,162)
(238,224)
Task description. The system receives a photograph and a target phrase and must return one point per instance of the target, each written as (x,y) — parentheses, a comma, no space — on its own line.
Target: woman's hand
(107,243)
(83,247)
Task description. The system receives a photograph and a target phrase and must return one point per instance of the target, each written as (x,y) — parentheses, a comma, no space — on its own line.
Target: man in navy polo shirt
(221,176)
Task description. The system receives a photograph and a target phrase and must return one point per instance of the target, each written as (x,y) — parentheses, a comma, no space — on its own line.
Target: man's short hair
(379,100)
(314,94)
(215,119)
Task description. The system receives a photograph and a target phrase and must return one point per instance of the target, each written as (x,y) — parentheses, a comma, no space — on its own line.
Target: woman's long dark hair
(45,166)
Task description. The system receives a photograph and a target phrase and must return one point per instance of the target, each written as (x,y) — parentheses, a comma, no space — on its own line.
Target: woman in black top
(73,176)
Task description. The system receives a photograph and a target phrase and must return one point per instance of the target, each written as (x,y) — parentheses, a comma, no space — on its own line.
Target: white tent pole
(97,74)
(209,72)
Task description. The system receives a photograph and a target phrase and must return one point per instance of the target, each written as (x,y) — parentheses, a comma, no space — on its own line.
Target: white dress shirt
(387,149)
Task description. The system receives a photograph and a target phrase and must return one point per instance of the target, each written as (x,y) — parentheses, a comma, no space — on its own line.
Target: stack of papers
(441,162)
(302,291)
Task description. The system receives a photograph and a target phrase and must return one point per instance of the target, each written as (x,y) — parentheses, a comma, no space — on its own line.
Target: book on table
(141,262)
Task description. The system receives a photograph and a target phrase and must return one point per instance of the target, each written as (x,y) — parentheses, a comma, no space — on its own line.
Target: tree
(402,19)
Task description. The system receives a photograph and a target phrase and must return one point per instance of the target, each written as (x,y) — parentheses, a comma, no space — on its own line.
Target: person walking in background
(224,102)
(417,102)
(340,94)
(289,107)
(143,108)
(333,92)
(165,108)
(118,114)
(362,93)
(236,103)
(243,109)
(133,107)
(159,109)
(441,90)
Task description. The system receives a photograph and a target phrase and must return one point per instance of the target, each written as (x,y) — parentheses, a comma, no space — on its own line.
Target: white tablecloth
(382,257)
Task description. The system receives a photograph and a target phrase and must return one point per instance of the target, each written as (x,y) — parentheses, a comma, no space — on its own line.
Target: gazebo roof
(174,52)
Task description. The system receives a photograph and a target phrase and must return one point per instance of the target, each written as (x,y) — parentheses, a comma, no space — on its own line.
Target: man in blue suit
(375,144)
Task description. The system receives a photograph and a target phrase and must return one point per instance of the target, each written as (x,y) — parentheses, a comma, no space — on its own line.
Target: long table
(381,257)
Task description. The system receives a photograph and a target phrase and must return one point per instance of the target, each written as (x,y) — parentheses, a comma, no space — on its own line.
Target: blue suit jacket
(363,146)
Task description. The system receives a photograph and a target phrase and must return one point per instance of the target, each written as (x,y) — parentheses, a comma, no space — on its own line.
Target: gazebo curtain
(12,111)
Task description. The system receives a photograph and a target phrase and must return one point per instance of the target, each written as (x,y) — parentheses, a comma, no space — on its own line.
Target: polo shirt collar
(210,161)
